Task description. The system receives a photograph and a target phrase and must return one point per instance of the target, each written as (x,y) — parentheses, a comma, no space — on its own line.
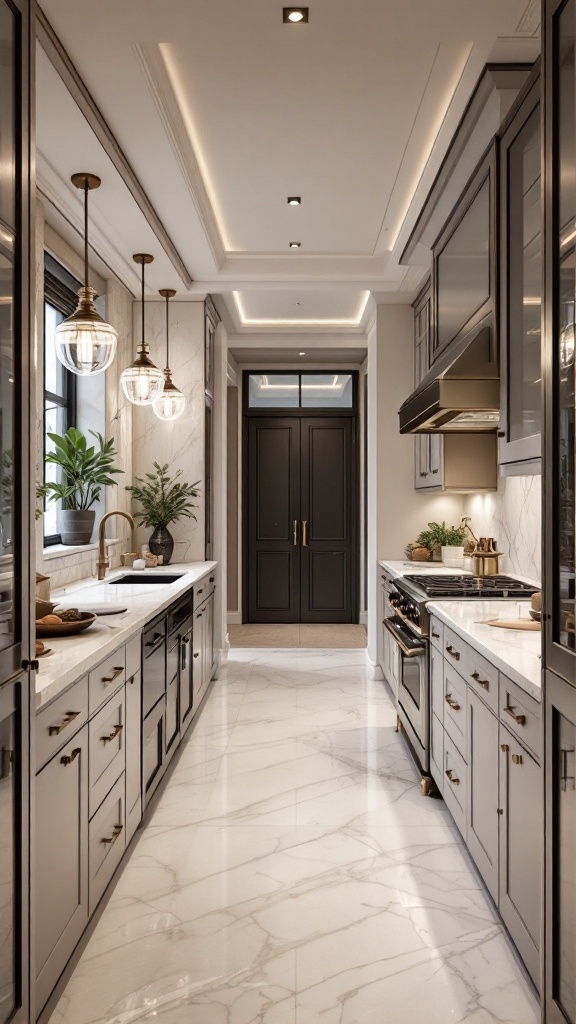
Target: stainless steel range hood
(461,393)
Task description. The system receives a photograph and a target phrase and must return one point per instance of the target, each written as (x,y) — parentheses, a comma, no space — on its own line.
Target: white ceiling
(224,111)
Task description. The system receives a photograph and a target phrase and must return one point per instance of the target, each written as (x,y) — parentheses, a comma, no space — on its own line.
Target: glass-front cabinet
(521,285)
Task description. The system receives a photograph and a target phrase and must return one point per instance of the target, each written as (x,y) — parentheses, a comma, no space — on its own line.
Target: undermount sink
(144,579)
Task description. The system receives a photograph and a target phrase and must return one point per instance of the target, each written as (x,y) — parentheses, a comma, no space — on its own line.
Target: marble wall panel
(513,515)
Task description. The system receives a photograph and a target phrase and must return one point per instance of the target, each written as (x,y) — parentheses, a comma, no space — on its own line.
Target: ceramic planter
(76,527)
(453,557)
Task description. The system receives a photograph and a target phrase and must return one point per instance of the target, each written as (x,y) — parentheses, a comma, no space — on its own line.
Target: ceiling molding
(158,81)
(58,56)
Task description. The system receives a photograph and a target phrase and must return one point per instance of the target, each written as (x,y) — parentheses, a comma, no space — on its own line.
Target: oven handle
(405,650)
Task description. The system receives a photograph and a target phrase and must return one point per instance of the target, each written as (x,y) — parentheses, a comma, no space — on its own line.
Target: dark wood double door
(301,546)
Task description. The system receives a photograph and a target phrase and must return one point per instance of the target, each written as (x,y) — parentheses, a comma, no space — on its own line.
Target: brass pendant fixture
(142,381)
(171,403)
(85,344)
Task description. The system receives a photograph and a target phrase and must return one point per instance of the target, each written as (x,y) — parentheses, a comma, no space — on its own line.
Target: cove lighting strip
(249,322)
(336,385)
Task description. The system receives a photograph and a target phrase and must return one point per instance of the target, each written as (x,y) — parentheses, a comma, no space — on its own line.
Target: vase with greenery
(84,470)
(450,539)
(163,500)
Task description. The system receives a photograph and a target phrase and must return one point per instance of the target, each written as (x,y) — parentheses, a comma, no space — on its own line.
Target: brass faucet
(103,562)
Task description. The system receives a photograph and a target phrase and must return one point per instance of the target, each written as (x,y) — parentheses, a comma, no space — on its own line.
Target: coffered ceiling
(222,112)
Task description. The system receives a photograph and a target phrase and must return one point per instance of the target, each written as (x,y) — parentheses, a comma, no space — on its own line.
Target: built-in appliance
(409,625)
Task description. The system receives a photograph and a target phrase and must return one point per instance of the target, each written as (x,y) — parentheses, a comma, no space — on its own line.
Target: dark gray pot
(162,543)
(76,527)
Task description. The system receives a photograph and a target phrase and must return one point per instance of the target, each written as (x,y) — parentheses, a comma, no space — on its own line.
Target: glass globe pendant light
(85,343)
(142,381)
(171,403)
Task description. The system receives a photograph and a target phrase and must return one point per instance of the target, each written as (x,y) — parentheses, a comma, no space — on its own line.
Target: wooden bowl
(535,614)
(55,629)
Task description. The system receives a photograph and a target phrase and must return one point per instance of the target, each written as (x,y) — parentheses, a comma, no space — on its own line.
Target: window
(300,390)
(59,384)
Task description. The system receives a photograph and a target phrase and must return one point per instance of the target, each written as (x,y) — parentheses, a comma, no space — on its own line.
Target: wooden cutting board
(514,624)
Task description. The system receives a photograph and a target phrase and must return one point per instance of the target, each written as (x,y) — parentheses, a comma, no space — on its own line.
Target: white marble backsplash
(513,515)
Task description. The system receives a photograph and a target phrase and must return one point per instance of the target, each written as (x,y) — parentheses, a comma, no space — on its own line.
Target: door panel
(273,510)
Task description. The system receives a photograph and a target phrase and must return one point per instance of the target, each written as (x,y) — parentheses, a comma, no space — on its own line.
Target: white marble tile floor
(292,873)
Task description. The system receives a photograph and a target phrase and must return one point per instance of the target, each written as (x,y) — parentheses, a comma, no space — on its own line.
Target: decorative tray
(56,629)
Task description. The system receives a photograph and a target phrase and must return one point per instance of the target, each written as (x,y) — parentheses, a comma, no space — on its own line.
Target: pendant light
(85,343)
(171,403)
(142,381)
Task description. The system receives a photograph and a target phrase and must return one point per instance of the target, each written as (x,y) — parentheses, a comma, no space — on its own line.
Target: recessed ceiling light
(294,15)
(294,200)
(295,245)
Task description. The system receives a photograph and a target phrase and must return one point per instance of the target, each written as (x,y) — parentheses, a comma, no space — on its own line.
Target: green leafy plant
(163,499)
(438,534)
(85,469)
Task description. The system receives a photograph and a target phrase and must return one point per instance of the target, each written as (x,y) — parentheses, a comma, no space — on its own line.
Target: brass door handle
(481,682)
(453,654)
(68,758)
(304,533)
(295,532)
(118,670)
(114,836)
(519,719)
(113,735)
(55,730)
(449,776)
(453,703)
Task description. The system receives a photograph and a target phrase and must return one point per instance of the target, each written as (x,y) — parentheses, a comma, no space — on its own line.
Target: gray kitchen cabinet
(106,842)
(133,754)
(521,848)
(209,639)
(61,860)
(198,655)
(482,816)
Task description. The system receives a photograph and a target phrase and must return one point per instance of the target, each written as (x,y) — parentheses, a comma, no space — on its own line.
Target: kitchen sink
(144,578)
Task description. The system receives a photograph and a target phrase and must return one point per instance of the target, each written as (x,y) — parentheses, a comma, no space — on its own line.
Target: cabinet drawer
(107,842)
(203,589)
(483,679)
(455,650)
(455,709)
(437,633)
(437,682)
(455,783)
(133,656)
(437,752)
(521,714)
(107,748)
(59,721)
(106,679)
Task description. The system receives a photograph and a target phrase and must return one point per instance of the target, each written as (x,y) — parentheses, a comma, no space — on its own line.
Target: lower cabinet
(187,703)
(482,816)
(107,841)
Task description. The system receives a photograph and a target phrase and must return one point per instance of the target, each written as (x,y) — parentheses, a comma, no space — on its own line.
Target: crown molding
(62,63)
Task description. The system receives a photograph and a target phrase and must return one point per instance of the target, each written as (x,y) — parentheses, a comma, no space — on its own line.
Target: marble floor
(292,873)
(299,634)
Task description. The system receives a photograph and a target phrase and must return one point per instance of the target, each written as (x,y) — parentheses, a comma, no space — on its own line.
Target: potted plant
(450,539)
(85,470)
(163,500)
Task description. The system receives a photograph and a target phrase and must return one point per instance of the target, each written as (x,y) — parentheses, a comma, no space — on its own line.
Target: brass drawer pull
(118,670)
(211,580)
(519,719)
(453,654)
(197,655)
(113,735)
(517,759)
(68,758)
(55,730)
(451,702)
(504,748)
(435,635)
(201,591)
(295,532)
(481,682)
(304,533)
(114,836)
(450,777)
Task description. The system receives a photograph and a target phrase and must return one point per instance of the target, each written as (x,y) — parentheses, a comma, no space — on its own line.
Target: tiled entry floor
(293,874)
(298,635)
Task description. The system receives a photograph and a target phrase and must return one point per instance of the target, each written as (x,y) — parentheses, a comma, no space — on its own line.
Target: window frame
(60,294)
(300,410)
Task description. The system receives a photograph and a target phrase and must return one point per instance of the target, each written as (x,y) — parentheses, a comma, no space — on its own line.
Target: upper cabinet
(520,269)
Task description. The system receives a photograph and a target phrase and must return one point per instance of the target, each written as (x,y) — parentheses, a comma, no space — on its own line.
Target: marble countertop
(72,657)
(517,653)
(406,568)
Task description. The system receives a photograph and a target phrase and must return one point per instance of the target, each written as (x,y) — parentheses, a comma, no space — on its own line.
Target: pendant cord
(86,190)
(167,334)
(142,304)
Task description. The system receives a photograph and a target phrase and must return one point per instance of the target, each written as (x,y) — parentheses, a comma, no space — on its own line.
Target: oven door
(413,688)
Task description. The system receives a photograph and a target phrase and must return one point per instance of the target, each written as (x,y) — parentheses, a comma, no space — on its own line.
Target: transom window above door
(300,390)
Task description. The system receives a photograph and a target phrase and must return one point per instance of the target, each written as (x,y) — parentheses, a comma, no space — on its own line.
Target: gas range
(411,594)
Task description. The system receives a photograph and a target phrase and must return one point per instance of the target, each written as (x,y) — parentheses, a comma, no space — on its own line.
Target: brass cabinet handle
(517,759)
(295,532)
(481,682)
(304,533)
(453,703)
(453,654)
(211,580)
(435,471)
(113,735)
(68,758)
(449,775)
(435,635)
(201,591)
(55,730)
(118,670)
(519,719)
(504,748)
(116,832)
(197,655)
